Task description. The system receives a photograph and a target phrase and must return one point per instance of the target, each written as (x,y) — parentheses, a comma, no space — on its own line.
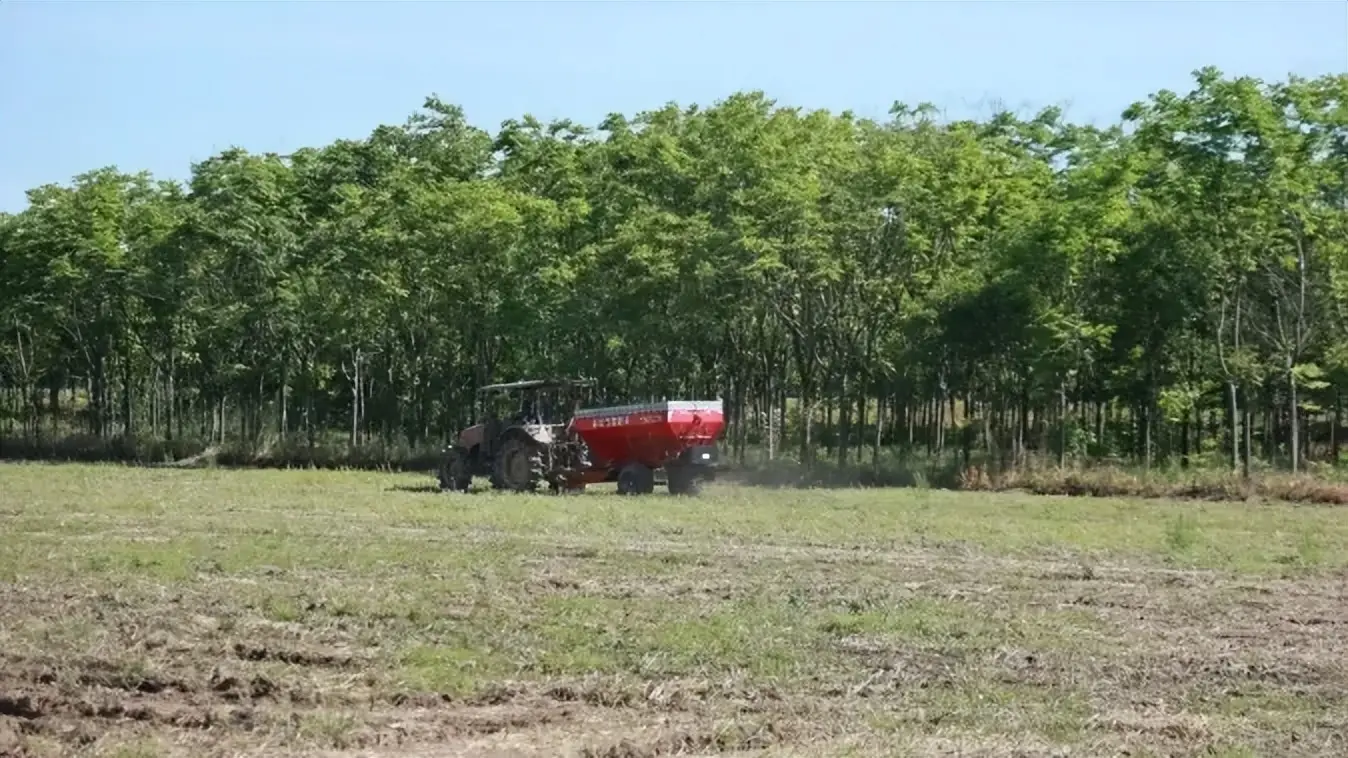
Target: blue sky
(158,85)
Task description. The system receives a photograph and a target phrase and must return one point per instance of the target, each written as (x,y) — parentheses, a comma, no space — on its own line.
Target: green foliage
(1002,286)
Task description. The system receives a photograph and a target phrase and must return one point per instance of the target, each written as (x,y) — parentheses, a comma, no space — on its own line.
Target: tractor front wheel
(519,465)
(454,475)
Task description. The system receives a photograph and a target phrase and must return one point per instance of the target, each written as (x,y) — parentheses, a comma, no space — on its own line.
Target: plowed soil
(205,613)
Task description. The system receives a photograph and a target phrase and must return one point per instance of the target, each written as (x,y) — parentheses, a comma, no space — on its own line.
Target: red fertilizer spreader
(630,442)
(539,441)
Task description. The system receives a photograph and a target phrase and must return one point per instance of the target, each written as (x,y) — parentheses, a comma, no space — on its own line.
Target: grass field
(157,612)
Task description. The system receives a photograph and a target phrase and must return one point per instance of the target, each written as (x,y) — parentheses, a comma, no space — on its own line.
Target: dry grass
(1197,484)
(205,612)
(329,452)
(1321,484)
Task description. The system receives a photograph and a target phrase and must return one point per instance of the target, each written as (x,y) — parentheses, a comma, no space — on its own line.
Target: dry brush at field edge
(220,613)
(1321,483)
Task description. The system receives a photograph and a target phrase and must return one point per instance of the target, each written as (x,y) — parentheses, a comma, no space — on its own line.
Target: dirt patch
(440,631)
(1172,638)
(1156,725)
(250,652)
(732,739)
(20,706)
(235,689)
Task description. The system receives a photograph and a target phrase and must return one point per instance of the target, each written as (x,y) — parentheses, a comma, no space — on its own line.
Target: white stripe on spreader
(663,407)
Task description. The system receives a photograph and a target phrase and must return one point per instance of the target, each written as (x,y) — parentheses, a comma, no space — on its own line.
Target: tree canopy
(1172,286)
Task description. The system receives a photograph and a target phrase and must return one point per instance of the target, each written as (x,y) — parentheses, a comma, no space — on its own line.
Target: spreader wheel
(453,474)
(683,480)
(636,479)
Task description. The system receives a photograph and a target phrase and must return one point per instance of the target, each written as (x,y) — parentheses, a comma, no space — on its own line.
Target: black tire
(636,479)
(684,480)
(454,474)
(519,465)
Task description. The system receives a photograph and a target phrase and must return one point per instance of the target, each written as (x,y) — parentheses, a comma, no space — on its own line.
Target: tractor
(523,438)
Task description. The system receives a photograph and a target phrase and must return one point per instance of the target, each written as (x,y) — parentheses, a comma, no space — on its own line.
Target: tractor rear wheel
(519,465)
(453,474)
(636,479)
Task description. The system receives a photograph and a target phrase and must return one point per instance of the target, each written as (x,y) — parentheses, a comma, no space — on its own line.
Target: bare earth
(212,613)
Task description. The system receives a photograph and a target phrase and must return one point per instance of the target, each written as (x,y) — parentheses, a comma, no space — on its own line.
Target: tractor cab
(536,402)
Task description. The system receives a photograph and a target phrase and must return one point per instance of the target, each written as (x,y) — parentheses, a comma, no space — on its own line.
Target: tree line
(1170,288)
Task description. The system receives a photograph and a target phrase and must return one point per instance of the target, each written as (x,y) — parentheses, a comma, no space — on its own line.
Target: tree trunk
(1334,430)
(127,429)
(1198,430)
(863,411)
(170,400)
(879,430)
(910,421)
(1294,421)
(355,400)
(54,403)
(1247,431)
(806,440)
(283,428)
(1100,425)
(939,417)
(1019,453)
(218,421)
(829,428)
(1062,424)
(257,409)
(1272,425)
(1147,434)
(772,431)
(96,397)
(844,421)
(155,400)
(991,410)
(1184,441)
